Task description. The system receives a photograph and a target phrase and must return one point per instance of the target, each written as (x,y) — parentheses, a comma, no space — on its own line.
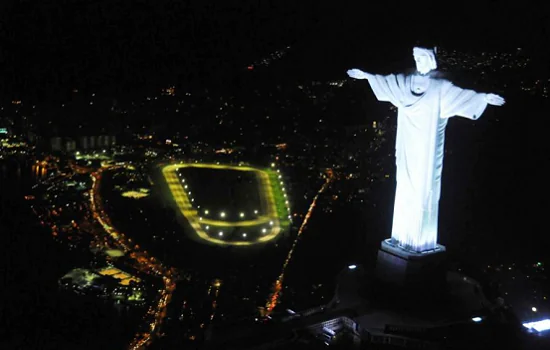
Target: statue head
(425,59)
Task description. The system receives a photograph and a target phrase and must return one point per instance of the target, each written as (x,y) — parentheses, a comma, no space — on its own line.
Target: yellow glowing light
(184,204)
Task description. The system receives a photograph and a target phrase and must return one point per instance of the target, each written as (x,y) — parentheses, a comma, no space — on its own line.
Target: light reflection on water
(17,177)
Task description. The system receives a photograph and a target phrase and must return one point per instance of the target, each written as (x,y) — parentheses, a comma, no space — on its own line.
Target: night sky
(50,47)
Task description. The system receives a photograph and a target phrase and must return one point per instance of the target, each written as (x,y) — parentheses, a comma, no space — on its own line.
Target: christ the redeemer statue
(425,103)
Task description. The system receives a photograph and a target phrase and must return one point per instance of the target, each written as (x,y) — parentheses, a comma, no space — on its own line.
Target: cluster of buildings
(84,143)
(108,282)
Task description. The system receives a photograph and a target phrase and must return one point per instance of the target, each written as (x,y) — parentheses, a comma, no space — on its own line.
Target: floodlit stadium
(270,216)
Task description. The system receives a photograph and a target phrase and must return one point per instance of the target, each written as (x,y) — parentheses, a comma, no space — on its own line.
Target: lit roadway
(278,285)
(155,315)
(181,198)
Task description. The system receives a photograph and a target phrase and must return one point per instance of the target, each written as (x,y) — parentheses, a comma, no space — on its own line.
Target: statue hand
(357,74)
(494,100)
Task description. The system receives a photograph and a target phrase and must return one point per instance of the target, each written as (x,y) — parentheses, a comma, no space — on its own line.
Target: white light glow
(206,212)
(539,326)
(222,214)
(264,230)
(476,319)
(534,309)
(352,267)
(220,234)
(241,215)
(244,235)
(424,108)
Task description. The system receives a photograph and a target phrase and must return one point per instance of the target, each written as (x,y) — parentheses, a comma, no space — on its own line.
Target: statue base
(404,268)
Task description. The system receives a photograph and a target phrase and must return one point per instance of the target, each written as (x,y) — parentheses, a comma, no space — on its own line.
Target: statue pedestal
(404,268)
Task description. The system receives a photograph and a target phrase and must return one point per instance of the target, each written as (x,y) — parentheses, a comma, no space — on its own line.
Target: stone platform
(405,268)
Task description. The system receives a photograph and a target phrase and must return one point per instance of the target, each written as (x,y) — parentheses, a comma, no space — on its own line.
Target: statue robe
(421,122)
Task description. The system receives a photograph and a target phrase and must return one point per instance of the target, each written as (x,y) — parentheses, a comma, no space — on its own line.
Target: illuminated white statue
(425,103)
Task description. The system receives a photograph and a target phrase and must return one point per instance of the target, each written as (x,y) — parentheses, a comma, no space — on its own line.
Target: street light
(241,215)
(244,235)
(264,230)
(220,234)
(222,214)
(206,212)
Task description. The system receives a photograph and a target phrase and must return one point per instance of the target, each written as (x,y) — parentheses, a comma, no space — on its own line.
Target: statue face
(422,63)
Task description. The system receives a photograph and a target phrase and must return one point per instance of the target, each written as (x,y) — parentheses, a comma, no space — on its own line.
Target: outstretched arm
(466,103)
(358,74)
(494,100)
(387,88)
